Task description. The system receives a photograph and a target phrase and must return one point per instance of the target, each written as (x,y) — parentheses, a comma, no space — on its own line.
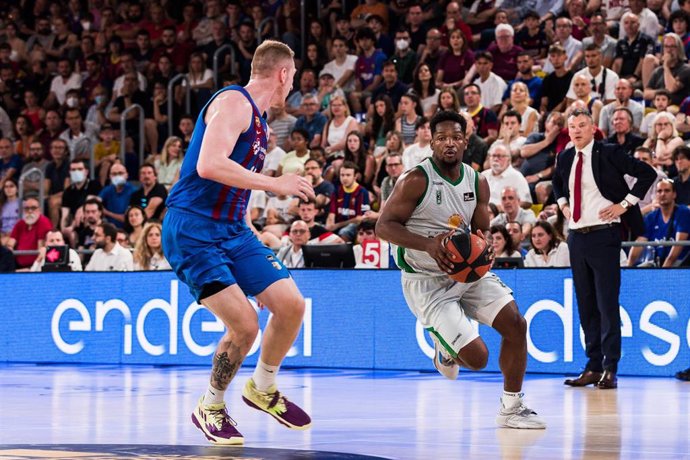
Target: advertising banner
(353,319)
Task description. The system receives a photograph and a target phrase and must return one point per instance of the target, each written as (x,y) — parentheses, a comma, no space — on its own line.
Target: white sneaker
(443,362)
(521,417)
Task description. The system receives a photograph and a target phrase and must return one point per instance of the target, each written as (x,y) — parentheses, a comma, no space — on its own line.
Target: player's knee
(518,329)
(296,307)
(245,335)
(474,356)
(477,363)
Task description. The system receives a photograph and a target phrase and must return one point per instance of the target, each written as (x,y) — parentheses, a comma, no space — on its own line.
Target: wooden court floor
(70,411)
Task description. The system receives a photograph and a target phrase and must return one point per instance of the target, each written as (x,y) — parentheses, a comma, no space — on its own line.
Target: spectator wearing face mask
(404,57)
(74,196)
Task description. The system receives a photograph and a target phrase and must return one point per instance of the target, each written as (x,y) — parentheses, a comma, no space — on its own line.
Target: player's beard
(451,163)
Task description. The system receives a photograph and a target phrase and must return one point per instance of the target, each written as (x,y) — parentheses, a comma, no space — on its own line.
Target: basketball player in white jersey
(429,203)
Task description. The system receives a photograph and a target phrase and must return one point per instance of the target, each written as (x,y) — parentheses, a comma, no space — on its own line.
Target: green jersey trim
(445,345)
(402,263)
(462,173)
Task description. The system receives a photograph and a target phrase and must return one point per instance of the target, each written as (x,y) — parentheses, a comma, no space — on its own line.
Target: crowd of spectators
(371,76)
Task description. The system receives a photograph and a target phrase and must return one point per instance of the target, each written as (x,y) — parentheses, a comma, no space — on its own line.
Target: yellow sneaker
(218,427)
(276,405)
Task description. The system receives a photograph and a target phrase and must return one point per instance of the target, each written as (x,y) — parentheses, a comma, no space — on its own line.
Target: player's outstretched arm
(228,116)
(399,207)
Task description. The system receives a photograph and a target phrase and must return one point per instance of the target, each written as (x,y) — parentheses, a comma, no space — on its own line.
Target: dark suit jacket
(610,163)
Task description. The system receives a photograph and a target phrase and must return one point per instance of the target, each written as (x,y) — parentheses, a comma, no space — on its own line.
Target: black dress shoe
(586,378)
(684,375)
(608,381)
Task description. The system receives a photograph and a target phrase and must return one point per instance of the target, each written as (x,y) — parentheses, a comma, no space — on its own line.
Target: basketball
(470,255)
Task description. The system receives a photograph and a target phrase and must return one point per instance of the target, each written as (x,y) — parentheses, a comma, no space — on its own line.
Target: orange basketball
(470,255)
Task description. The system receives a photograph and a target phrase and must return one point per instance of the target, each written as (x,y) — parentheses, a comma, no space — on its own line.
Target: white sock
(510,400)
(264,375)
(213,396)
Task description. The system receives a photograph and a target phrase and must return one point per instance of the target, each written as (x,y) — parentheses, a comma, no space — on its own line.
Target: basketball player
(429,203)
(212,250)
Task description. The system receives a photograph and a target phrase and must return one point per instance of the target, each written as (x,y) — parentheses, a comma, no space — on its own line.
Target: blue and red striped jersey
(346,205)
(212,199)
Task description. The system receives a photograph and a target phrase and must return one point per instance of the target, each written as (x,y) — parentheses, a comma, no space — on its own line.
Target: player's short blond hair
(269,56)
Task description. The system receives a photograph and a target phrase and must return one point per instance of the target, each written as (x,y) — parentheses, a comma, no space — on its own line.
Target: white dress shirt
(592,201)
(609,85)
(117,260)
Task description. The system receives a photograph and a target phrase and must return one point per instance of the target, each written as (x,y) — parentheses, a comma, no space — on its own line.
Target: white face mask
(402,45)
(118,180)
(31,219)
(72,102)
(77,177)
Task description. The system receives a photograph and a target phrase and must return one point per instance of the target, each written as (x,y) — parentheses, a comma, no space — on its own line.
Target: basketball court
(105,412)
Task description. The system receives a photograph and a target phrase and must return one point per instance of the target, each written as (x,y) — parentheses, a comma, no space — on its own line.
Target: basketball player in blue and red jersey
(209,245)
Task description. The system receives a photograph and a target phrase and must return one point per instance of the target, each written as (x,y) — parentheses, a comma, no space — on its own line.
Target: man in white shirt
(343,66)
(54,238)
(491,85)
(110,256)
(603,80)
(502,174)
(594,203)
(420,150)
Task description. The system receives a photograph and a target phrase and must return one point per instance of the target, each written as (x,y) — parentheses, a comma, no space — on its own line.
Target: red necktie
(577,197)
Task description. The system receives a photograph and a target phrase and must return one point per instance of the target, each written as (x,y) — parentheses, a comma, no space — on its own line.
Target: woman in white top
(335,132)
(148,252)
(200,80)
(502,242)
(199,76)
(547,250)
(425,86)
(519,101)
(170,161)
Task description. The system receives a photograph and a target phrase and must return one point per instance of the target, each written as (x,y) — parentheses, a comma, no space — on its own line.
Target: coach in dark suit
(591,191)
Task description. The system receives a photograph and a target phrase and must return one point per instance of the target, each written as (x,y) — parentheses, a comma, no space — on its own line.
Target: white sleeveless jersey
(444,206)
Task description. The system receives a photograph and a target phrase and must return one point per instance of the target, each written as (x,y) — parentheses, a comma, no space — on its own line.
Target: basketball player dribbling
(431,201)
(212,250)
